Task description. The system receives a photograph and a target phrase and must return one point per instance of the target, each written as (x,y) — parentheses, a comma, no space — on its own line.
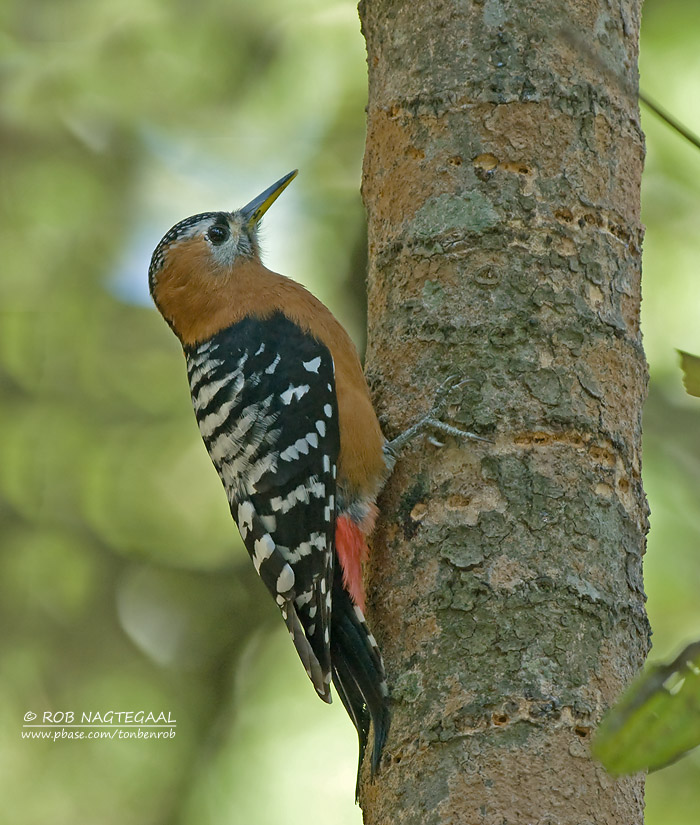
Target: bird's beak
(253,211)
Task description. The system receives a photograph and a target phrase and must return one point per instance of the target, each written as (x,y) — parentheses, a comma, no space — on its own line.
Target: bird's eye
(218,234)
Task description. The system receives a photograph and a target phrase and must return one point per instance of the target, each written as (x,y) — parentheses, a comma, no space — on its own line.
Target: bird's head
(195,262)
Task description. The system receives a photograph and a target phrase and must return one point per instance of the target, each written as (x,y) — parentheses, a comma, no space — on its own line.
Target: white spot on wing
(328,410)
(294,392)
(273,366)
(203,368)
(285,580)
(266,464)
(326,464)
(321,427)
(302,446)
(261,349)
(262,550)
(304,598)
(240,475)
(312,438)
(290,454)
(215,419)
(221,448)
(304,549)
(244,421)
(246,511)
(299,495)
(269,522)
(318,540)
(313,365)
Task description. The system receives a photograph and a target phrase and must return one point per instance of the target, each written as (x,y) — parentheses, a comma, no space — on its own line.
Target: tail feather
(358,673)
(354,704)
(363,688)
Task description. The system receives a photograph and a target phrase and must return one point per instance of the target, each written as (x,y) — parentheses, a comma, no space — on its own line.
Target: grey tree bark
(501,181)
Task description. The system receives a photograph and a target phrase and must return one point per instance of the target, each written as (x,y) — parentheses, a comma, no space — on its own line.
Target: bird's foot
(432,421)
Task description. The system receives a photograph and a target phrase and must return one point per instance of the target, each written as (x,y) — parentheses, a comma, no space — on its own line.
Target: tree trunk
(501,181)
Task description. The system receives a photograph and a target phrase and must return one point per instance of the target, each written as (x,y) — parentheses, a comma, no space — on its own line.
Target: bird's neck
(198,304)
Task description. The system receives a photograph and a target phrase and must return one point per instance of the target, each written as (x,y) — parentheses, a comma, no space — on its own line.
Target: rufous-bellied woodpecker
(285,414)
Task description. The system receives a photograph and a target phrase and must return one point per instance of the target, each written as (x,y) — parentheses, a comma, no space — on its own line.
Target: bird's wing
(264,395)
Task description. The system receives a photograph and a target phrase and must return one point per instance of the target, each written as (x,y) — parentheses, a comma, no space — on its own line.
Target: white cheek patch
(238,244)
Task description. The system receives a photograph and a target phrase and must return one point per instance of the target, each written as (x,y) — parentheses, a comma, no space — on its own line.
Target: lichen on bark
(501,182)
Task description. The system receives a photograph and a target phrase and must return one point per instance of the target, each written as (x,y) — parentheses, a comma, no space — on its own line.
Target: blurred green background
(122,583)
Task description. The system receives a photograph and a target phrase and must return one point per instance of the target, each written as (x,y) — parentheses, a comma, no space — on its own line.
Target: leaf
(690,364)
(656,721)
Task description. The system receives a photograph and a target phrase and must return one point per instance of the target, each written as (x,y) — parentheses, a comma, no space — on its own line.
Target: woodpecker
(285,414)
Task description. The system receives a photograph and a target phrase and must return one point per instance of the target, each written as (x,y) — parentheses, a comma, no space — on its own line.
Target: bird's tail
(358,673)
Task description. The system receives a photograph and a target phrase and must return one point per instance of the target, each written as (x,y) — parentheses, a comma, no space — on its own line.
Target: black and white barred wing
(264,396)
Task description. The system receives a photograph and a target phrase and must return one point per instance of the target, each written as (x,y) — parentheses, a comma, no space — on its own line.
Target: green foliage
(670,67)
(656,721)
(690,364)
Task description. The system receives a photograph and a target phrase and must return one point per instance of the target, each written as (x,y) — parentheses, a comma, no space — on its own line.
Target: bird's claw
(448,386)
(432,420)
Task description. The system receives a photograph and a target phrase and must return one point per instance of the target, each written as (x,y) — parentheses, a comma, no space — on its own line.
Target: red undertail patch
(352,550)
